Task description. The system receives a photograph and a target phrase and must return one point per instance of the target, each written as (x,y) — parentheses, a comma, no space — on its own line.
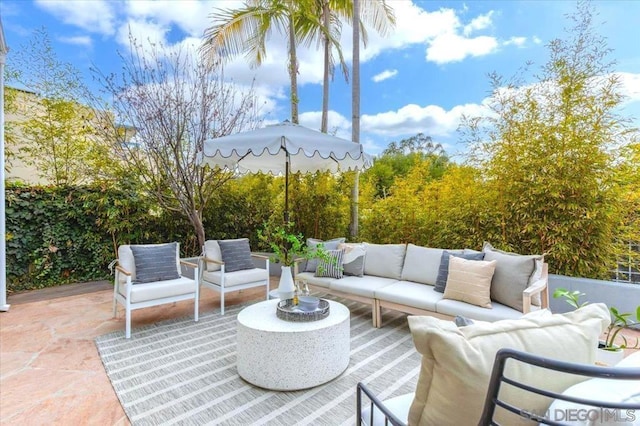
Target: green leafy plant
(289,247)
(619,321)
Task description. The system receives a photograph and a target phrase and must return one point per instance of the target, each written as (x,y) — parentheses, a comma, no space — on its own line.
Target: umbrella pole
(286,190)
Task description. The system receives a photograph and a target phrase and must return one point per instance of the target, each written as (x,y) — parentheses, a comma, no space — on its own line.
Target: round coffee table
(282,355)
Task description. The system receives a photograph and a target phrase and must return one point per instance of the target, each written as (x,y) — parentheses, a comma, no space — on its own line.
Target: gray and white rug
(183,372)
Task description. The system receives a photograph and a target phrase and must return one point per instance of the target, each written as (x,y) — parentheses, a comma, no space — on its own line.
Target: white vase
(286,287)
(609,357)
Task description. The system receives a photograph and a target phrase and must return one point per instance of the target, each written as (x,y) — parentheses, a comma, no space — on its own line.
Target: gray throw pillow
(512,275)
(331,269)
(155,262)
(236,254)
(443,271)
(312,243)
(463,321)
(355,267)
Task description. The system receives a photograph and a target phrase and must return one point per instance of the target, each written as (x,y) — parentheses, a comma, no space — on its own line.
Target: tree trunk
(195,218)
(355,113)
(325,82)
(293,71)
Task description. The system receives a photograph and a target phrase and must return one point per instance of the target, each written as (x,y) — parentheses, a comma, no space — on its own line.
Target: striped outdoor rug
(182,372)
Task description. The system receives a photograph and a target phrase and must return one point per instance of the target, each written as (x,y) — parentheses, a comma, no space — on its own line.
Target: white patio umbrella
(283,148)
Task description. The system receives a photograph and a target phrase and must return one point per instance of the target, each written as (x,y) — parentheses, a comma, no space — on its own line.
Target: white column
(3,241)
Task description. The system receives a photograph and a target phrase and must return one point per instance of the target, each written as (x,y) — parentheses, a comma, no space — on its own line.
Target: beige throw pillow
(470,281)
(457,361)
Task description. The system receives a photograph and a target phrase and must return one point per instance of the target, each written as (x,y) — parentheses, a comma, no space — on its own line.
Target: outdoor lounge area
(51,371)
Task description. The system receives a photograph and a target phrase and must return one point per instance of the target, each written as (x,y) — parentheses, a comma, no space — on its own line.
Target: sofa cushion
(409,293)
(212,251)
(421,264)
(470,281)
(235,278)
(332,268)
(155,262)
(365,286)
(312,243)
(236,254)
(605,390)
(512,276)
(127,262)
(384,260)
(443,267)
(159,289)
(497,312)
(311,279)
(353,259)
(457,361)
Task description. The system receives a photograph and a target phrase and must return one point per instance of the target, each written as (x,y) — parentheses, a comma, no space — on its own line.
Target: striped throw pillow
(332,269)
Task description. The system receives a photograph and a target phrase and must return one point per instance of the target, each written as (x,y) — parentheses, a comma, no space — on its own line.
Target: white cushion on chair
(159,289)
(235,278)
(212,251)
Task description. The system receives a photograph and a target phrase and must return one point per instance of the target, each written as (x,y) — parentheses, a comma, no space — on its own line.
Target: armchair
(149,275)
(227,265)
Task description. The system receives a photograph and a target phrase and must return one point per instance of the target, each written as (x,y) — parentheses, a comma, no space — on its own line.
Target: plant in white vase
(289,248)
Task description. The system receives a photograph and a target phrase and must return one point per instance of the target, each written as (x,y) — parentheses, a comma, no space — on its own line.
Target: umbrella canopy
(283,148)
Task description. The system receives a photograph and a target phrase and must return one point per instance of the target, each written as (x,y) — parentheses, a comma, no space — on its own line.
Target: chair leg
(267,298)
(222,302)
(115,307)
(196,306)
(127,324)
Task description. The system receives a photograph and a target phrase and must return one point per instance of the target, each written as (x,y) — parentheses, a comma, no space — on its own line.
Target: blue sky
(420,78)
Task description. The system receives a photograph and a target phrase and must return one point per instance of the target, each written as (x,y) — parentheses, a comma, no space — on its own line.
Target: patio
(50,371)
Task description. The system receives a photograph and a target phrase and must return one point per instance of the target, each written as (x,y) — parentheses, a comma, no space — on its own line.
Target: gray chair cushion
(155,262)
(443,270)
(312,243)
(236,254)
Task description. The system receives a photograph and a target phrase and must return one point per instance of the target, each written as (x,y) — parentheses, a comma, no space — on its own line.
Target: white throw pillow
(212,251)
(457,361)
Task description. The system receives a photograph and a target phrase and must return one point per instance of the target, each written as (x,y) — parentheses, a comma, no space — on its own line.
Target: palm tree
(245,31)
(380,16)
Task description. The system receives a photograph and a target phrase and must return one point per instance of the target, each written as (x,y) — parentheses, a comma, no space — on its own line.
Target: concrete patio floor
(50,370)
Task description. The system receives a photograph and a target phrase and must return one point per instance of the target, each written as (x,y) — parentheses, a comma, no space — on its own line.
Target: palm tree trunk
(325,82)
(355,113)
(293,71)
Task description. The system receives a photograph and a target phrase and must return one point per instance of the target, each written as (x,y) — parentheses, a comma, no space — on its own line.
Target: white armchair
(149,275)
(227,265)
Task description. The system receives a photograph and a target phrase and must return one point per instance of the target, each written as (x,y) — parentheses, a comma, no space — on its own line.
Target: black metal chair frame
(497,378)
(593,371)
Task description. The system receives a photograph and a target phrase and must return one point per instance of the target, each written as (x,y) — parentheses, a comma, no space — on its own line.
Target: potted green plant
(289,248)
(613,352)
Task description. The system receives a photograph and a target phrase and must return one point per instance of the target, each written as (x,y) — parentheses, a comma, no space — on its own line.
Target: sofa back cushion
(457,361)
(421,264)
(514,273)
(127,261)
(212,251)
(384,260)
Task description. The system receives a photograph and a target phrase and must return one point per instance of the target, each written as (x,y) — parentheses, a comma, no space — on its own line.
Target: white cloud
(95,16)
(337,123)
(453,48)
(78,40)
(516,41)
(384,75)
(630,86)
(411,119)
(479,23)
(537,40)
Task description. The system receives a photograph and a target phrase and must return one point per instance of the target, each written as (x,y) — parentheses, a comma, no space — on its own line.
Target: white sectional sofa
(403,278)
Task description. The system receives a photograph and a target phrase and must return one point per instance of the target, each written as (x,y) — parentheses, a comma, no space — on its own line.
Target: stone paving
(50,370)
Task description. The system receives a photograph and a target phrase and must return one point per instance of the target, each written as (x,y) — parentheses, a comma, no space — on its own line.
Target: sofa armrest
(541,287)
(122,270)
(189,264)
